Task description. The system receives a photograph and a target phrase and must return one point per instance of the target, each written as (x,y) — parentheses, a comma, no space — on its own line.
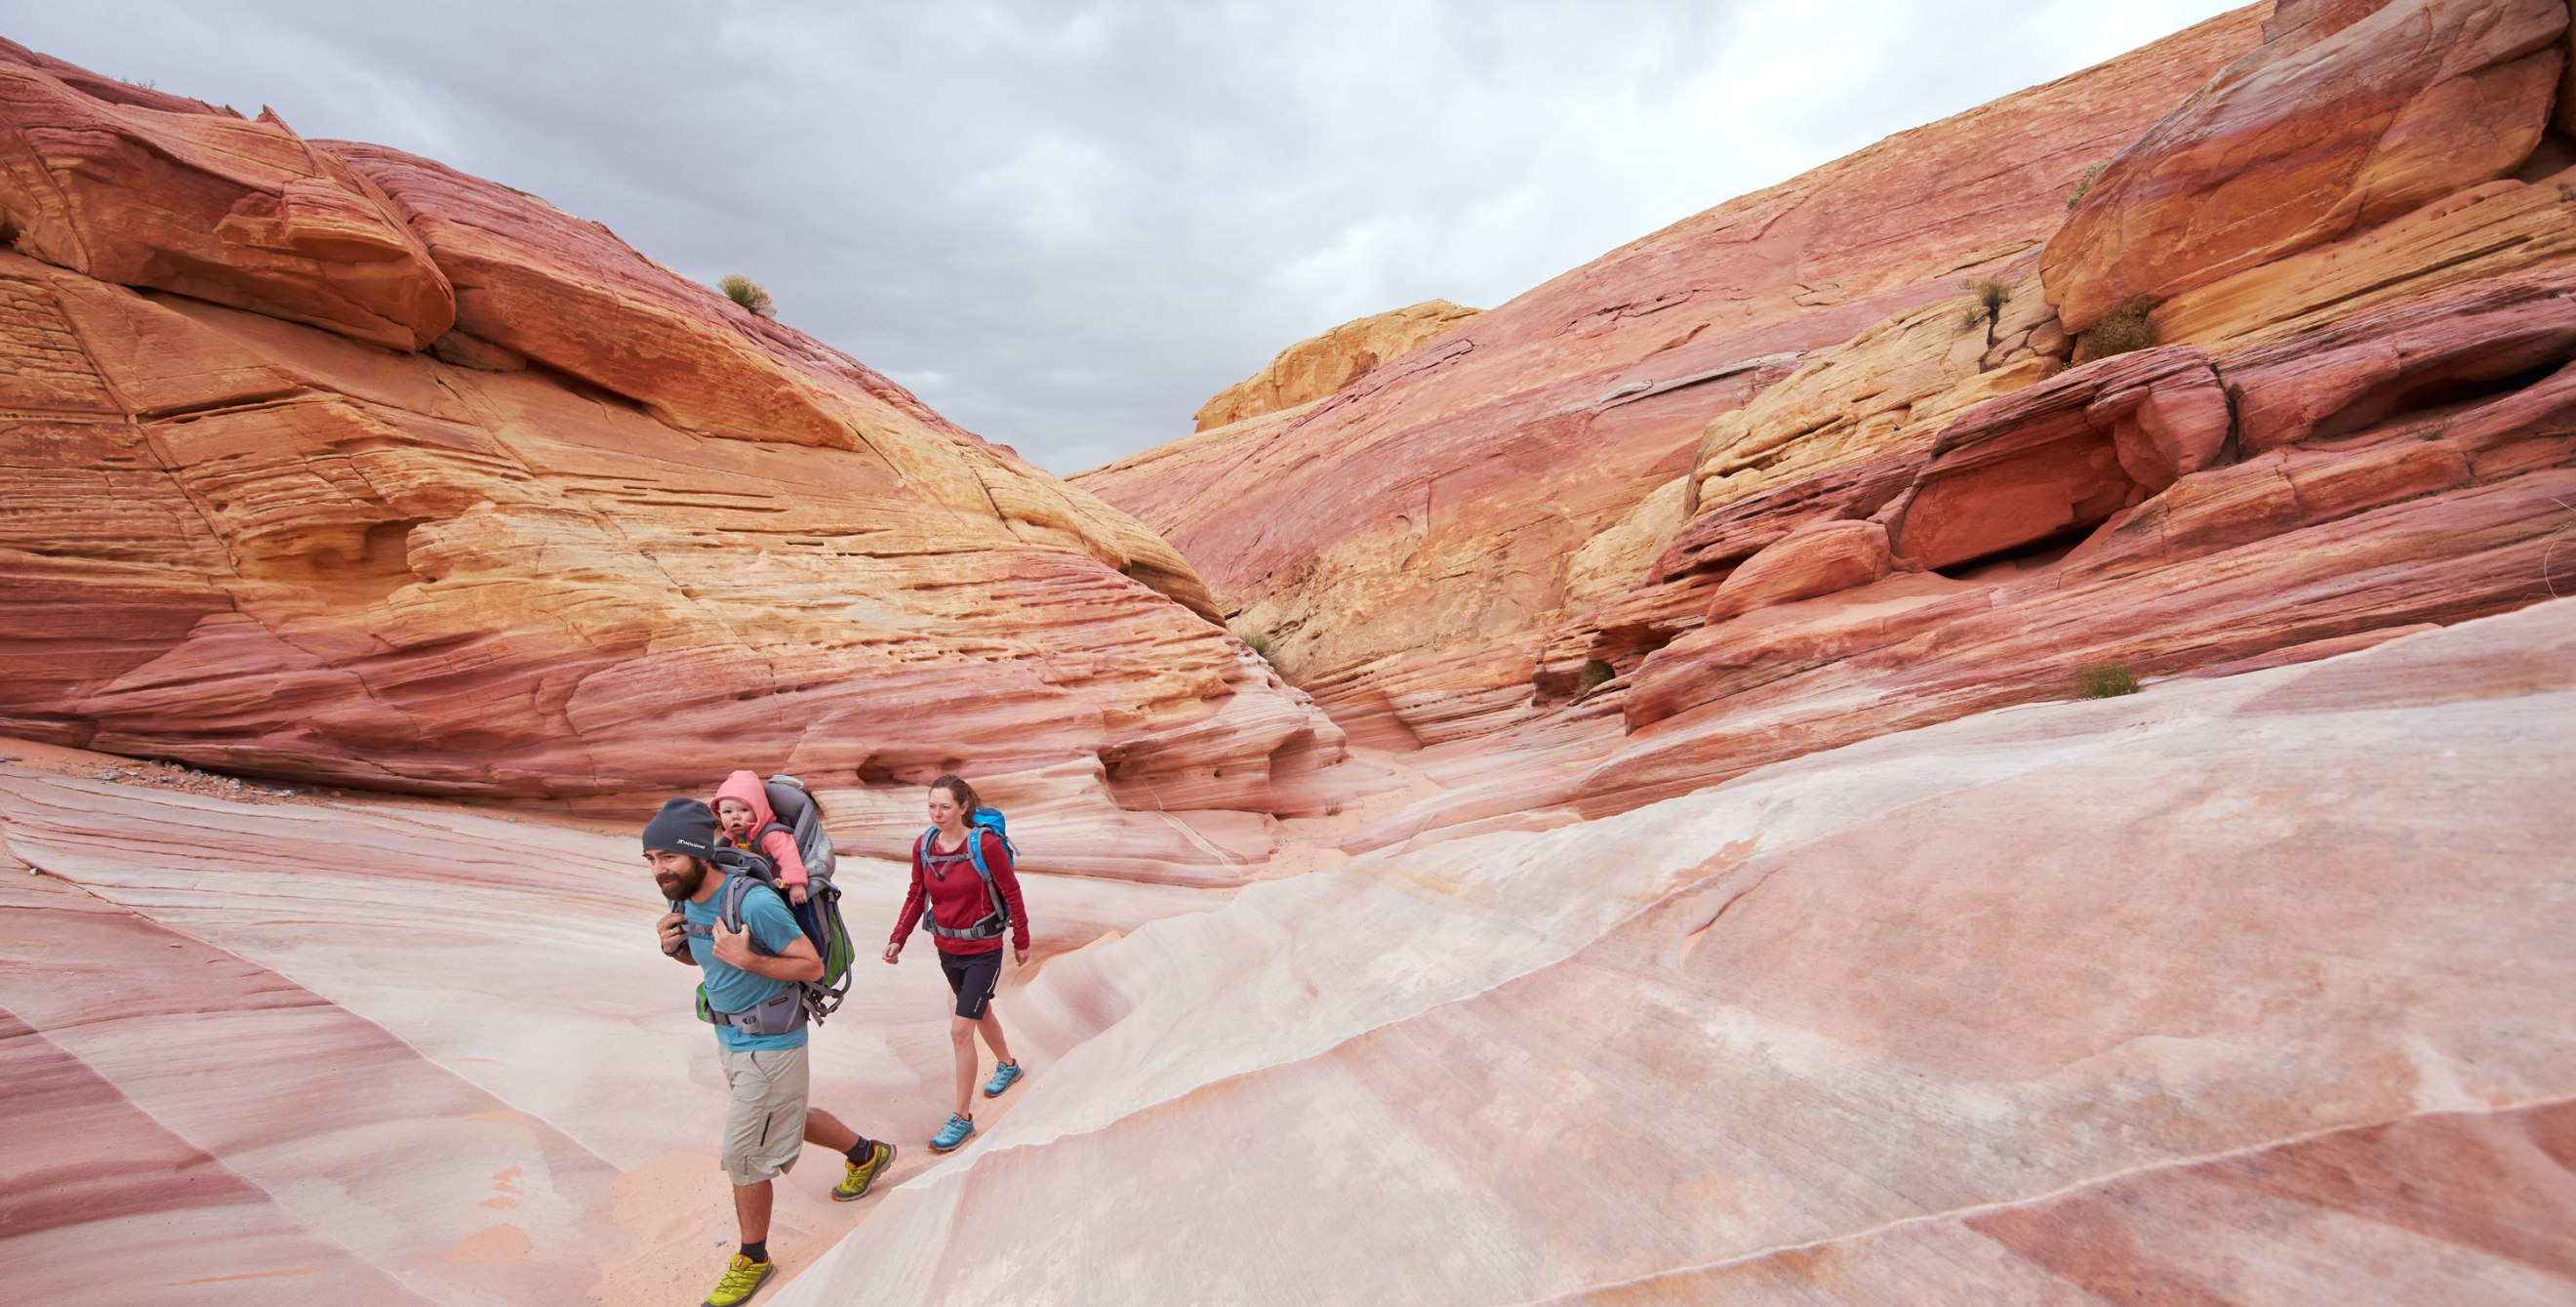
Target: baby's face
(735,814)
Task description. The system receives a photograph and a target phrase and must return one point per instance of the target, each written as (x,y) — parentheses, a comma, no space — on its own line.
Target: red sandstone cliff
(1783,476)
(1409,543)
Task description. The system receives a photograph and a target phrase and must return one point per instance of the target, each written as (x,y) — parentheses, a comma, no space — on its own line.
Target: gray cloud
(1065,225)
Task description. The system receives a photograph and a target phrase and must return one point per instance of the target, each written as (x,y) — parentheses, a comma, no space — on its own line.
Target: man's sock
(757,1250)
(861,1151)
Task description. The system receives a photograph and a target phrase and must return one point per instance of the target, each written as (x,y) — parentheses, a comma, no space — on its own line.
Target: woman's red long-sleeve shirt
(957,898)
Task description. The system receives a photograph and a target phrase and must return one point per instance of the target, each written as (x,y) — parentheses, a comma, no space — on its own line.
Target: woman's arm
(1006,878)
(910,915)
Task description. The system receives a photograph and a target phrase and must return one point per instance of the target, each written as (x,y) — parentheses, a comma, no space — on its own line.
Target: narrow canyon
(1995,722)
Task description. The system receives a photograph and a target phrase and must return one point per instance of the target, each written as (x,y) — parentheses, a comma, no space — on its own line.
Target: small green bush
(2106,681)
(1257,642)
(2085,186)
(1594,675)
(744,291)
(2119,331)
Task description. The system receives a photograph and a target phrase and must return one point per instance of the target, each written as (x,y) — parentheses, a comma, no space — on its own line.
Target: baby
(742,809)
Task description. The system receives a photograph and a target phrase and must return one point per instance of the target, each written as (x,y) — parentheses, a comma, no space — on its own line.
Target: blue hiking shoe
(957,1131)
(1004,1076)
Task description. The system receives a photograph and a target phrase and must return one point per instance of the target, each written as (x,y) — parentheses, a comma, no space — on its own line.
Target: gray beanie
(682,826)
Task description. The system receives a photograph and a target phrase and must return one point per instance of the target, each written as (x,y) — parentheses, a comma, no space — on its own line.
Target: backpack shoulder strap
(975,842)
(729,903)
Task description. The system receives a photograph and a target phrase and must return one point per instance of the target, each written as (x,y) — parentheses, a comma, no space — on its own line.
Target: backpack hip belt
(788,1009)
(779,1014)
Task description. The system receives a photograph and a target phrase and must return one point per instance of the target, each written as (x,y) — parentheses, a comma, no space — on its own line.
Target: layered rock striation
(327,462)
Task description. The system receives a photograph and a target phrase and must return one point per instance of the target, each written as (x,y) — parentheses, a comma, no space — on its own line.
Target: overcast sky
(1066,224)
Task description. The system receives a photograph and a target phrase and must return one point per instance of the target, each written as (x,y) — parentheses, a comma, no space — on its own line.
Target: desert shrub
(1991,294)
(744,291)
(1594,675)
(1256,641)
(2085,185)
(2106,681)
(2119,331)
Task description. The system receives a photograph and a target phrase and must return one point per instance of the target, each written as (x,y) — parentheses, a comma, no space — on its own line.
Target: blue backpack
(999,919)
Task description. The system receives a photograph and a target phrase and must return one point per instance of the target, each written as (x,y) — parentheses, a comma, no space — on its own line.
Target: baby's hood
(746,786)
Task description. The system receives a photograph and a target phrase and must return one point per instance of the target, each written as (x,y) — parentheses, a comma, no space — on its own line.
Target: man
(751,990)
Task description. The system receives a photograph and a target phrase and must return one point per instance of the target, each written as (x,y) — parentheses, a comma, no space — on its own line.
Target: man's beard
(683,887)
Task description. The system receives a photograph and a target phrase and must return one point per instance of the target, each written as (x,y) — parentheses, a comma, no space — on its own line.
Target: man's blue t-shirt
(732,989)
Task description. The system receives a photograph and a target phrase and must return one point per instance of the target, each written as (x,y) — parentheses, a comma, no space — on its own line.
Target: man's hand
(673,929)
(733,947)
(893,951)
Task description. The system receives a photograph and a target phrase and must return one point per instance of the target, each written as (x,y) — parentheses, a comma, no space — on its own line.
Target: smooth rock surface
(305,1052)
(2052,1002)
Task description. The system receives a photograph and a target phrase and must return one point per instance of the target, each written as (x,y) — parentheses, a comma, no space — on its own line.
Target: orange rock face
(2349,115)
(607,534)
(1313,368)
(209,206)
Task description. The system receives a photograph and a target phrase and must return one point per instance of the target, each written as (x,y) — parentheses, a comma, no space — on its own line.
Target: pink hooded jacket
(777,845)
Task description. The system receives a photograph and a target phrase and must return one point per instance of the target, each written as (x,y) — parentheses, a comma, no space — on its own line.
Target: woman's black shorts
(971,977)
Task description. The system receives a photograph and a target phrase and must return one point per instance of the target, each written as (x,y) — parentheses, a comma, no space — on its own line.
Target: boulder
(2063,455)
(1813,560)
(210,206)
(1317,366)
(2349,115)
(2439,350)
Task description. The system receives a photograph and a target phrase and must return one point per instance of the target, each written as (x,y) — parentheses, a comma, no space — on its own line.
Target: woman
(969,911)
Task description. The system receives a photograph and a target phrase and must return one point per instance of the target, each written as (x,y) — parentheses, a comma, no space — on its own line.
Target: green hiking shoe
(854,1186)
(741,1280)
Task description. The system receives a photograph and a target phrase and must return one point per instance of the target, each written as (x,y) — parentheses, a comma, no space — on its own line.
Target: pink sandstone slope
(2249,989)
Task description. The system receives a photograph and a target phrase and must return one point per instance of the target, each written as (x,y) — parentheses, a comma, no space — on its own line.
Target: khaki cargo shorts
(765,1123)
